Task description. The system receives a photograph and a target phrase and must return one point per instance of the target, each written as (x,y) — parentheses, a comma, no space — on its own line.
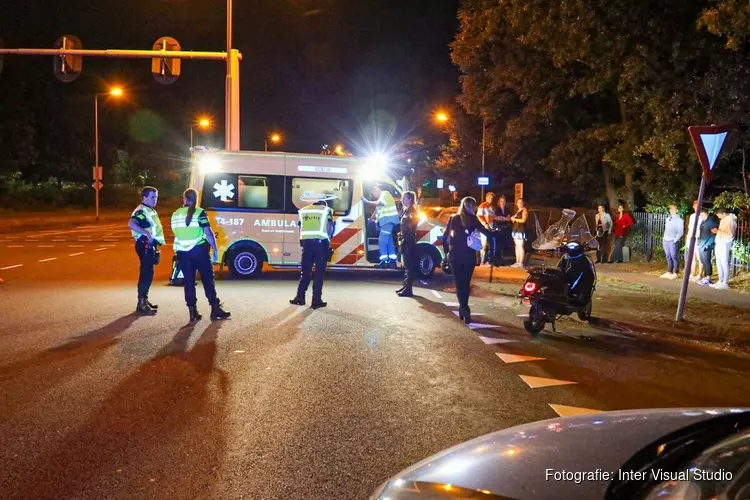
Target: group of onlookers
(508,226)
(713,239)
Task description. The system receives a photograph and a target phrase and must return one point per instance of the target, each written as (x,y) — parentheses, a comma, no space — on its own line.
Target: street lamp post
(117,92)
(275,138)
(203,123)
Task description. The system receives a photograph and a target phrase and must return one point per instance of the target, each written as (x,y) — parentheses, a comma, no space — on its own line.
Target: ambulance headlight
(209,164)
(377,162)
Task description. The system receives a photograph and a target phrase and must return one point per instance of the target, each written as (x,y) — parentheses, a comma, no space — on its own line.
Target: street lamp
(115,92)
(203,123)
(275,138)
(442,117)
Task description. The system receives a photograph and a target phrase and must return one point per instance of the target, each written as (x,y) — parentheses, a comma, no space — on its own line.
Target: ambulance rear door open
(311,179)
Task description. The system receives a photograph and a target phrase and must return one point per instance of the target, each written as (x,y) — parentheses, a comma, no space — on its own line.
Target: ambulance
(252,200)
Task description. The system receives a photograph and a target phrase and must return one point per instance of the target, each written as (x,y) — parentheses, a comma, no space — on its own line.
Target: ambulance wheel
(428,260)
(245,262)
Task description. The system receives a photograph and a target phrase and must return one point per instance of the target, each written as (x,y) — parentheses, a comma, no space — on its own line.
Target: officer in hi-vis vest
(147,231)
(192,236)
(316,229)
(386,217)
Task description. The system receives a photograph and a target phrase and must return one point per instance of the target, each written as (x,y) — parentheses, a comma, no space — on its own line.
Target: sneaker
(666,276)
(720,286)
(705,282)
(694,279)
(673,276)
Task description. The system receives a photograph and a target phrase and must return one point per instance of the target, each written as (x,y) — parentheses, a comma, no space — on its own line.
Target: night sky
(318,71)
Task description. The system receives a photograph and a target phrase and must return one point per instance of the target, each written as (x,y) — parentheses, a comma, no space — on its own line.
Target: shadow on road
(160,433)
(88,344)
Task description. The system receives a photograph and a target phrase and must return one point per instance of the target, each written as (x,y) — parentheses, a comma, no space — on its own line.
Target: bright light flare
(339,149)
(442,116)
(422,216)
(378,162)
(275,137)
(204,122)
(116,91)
(209,164)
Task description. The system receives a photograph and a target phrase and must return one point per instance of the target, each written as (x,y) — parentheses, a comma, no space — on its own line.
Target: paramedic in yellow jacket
(146,229)
(386,217)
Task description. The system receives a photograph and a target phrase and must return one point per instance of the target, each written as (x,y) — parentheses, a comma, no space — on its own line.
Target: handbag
(474,240)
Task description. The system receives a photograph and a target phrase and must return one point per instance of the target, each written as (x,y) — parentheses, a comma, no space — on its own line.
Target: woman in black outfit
(463,258)
(408,242)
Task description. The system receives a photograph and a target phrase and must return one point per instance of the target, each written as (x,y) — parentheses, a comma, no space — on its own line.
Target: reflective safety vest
(387,213)
(314,222)
(154,227)
(186,237)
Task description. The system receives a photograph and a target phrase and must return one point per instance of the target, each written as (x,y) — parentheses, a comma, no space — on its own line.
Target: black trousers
(617,251)
(313,252)
(602,253)
(705,258)
(198,259)
(462,271)
(411,263)
(146,275)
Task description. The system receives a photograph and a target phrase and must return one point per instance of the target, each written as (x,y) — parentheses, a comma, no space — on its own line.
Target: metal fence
(646,236)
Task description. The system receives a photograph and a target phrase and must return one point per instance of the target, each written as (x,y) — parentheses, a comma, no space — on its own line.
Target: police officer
(386,217)
(147,231)
(408,243)
(192,236)
(316,229)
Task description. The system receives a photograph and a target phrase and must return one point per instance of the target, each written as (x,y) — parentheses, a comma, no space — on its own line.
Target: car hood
(517,462)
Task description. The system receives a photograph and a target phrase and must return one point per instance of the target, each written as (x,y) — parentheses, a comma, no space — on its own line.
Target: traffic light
(166,70)
(67,67)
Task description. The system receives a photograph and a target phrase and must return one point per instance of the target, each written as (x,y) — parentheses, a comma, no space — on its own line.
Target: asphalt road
(283,401)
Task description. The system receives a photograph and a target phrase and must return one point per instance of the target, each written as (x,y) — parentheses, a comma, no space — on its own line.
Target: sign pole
(96,147)
(691,253)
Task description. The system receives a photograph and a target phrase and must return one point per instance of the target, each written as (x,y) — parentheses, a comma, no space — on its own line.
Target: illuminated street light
(115,92)
(442,117)
(202,122)
(275,138)
(339,149)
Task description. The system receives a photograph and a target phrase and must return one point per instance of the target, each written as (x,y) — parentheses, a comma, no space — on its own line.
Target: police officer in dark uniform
(316,229)
(408,243)
(148,233)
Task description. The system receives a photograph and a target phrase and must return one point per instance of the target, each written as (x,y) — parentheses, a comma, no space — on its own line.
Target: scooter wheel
(585,313)
(535,323)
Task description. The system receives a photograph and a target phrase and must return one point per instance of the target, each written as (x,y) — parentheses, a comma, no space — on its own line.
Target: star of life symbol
(224,191)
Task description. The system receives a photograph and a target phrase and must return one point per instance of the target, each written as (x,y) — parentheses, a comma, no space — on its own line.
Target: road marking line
(15,246)
(113,245)
(570,411)
(491,340)
(14,237)
(58,239)
(514,358)
(4,241)
(99,249)
(75,246)
(10,267)
(473,314)
(451,304)
(45,246)
(537,382)
(74,254)
(436,294)
(480,326)
(47,260)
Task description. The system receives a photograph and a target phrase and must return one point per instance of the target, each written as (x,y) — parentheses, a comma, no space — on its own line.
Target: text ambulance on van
(253,199)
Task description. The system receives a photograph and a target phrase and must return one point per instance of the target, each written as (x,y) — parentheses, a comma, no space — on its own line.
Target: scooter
(560,291)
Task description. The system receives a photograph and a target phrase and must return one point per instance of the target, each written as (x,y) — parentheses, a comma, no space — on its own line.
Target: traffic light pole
(233,58)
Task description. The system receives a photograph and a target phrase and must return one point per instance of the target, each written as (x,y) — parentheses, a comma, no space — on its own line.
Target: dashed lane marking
(45,246)
(47,260)
(99,249)
(480,326)
(15,246)
(58,239)
(473,314)
(5,241)
(538,382)
(451,304)
(436,294)
(571,411)
(75,246)
(112,245)
(10,267)
(75,254)
(514,358)
(491,340)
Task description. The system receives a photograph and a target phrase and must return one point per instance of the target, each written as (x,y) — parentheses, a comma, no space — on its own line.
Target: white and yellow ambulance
(252,199)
